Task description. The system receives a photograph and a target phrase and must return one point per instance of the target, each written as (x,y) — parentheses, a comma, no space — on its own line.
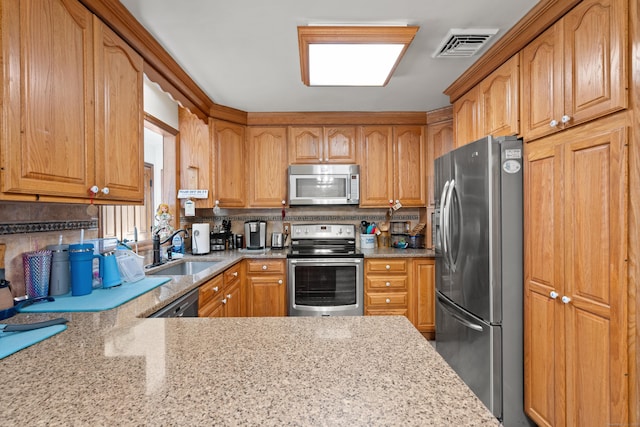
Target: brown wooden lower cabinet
(401,287)
(221,296)
(266,287)
(424,319)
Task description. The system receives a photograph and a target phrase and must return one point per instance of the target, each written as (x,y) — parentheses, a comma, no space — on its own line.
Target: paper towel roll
(200,243)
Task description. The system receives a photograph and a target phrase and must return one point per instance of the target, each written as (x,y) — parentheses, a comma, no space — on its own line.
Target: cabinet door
(266,295)
(267,149)
(543,269)
(439,142)
(195,155)
(376,159)
(595,65)
(305,145)
(595,279)
(48,98)
(230,164)
(233,301)
(466,115)
(542,83)
(499,100)
(119,117)
(424,300)
(340,144)
(410,166)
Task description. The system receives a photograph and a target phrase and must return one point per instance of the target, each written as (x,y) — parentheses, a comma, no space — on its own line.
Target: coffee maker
(256,234)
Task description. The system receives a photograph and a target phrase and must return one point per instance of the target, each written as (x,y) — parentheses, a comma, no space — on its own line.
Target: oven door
(325,286)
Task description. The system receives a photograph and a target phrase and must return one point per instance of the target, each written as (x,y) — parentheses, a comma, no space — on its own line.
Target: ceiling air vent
(463,43)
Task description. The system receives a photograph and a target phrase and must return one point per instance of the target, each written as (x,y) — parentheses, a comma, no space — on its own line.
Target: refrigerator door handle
(459,318)
(443,202)
(447,225)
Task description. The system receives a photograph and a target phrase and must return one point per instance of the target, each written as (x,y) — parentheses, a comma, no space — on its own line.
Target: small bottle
(178,245)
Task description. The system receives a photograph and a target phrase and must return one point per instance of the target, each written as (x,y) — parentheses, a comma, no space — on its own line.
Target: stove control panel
(322,231)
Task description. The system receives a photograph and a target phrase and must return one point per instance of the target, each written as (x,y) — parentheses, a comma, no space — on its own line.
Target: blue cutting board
(98,300)
(10,342)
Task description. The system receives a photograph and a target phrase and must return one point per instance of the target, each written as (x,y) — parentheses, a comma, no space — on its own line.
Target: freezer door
(473,349)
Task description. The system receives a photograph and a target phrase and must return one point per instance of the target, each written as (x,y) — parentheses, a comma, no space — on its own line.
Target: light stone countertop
(116,368)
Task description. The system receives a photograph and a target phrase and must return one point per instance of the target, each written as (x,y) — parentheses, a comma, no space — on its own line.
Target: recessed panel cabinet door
(410,166)
(195,156)
(267,149)
(230,173)
(47,141)
(376,160)
(119,116)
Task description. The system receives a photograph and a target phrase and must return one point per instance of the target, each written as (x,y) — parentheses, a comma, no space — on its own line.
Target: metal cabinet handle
(566,299)
(229,296)
(264,267)
(280,282)
(94,189)
(388,267)
(388,284)
(388,301)
(565,119)
(105,190)
(553,123)
(235,274)
(224,300)
(553,294)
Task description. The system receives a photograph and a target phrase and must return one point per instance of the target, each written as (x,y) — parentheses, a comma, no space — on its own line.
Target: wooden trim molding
(440,115)
(323,118)
(160,67)
(541,17)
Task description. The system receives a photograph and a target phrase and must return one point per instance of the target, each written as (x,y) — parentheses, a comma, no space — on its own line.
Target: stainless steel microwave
(324,184)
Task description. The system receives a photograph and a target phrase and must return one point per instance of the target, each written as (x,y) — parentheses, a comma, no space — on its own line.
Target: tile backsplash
(26,227)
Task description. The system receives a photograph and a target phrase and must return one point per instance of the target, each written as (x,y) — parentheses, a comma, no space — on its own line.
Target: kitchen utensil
(32,326)
(81,261)
(60,270)
(37,272)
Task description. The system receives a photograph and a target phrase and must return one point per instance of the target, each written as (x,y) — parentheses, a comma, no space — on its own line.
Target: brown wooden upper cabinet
(491,107)
(575,71)
(195,155)
(439,142)
(392,166)
(318,144)
(229,185)
(73,116)
(267,149)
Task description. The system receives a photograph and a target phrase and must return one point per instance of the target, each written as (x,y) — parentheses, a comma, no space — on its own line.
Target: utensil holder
(367,241)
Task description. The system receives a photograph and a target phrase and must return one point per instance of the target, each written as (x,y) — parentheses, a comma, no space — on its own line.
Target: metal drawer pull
(264,267)
(388,284)
(388,301)
(388,267)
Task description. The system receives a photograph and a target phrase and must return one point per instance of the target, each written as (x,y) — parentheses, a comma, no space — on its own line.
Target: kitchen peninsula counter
(109,369)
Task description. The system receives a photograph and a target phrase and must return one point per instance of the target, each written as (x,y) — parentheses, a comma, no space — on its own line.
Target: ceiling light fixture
(352,55)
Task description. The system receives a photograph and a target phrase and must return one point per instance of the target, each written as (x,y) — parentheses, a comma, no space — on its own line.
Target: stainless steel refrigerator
(479,278)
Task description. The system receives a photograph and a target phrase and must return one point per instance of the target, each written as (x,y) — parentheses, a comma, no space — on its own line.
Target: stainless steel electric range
(326,272)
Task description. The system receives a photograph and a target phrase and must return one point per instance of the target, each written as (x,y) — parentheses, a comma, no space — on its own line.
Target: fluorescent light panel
(357,64)
(351,56)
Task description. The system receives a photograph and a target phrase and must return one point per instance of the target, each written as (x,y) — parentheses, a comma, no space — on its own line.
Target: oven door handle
(320,261)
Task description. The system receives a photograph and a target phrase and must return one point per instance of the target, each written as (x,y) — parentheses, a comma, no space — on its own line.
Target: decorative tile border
(300,218)
(39,227)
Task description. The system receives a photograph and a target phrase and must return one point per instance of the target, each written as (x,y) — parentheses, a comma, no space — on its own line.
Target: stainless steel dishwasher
(185,306)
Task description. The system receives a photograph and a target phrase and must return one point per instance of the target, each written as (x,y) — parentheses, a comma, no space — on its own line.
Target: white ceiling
(244,53)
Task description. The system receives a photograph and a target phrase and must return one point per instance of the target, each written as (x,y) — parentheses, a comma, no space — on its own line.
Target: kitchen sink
(184,268)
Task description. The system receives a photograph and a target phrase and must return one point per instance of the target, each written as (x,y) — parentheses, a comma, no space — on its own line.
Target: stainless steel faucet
(157,259)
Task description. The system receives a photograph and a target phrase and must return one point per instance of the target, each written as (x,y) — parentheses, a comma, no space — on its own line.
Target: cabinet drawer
(386,312)
(265,266)
(213,308)
(379,283)
(209,290)
(232,275)
(387,299)
(386,266)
